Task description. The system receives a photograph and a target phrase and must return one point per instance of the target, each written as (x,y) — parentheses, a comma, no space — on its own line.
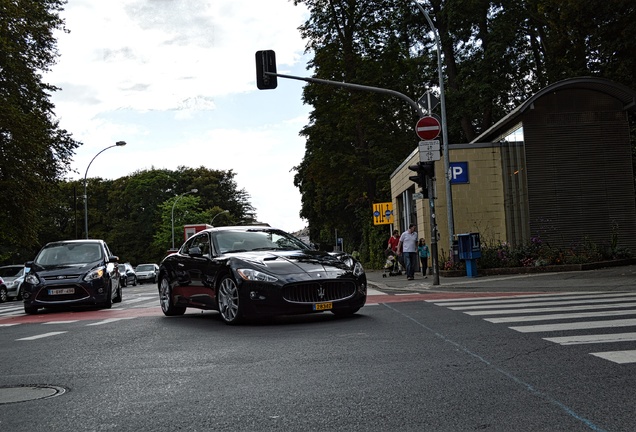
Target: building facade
(558,167)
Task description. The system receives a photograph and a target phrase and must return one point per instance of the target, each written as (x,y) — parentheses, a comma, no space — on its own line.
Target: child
(423,252)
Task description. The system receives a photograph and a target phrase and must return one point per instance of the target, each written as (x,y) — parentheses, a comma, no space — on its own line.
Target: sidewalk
(607,279)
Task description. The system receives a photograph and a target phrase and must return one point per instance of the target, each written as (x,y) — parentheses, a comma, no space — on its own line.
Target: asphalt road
(411,360)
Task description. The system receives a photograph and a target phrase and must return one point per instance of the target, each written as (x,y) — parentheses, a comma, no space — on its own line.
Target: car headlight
(255,275)
(355,266)
(97,273)
(32,279)
(358,269)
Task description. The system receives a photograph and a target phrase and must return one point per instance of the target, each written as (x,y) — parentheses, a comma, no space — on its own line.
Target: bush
(537,253)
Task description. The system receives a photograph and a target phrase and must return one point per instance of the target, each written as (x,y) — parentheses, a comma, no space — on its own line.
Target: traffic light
(424,171)
(266,62)
(420,178)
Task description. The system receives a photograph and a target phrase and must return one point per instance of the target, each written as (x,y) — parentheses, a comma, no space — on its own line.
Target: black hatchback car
(255,271)
(69,273)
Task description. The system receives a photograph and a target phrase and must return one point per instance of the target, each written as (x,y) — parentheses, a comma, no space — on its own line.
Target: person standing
(393,241)
(424,253)
(407,247)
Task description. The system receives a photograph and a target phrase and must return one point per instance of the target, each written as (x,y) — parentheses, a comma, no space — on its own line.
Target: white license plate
(62,291)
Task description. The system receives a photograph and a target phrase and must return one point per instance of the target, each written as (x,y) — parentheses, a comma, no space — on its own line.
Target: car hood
(64,270)
(295,262)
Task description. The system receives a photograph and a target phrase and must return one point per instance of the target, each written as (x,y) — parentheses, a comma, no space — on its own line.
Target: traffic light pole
(433,222)
(262,60)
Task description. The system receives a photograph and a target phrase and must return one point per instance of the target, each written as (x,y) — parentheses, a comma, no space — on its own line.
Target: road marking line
(560,316)
(109,320)
(60,322)
(8,325)
(575,326)
(40,336)
(137,300)
(551,303)
(467,300)
(551,309)
(621,357)
(591,339)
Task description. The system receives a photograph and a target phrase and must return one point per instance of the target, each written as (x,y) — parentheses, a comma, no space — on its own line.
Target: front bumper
(301,298)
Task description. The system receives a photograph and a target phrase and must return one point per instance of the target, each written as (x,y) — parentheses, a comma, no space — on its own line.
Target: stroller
(392,266)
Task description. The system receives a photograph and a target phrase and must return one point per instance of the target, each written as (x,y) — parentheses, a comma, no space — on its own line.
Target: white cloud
(175,79)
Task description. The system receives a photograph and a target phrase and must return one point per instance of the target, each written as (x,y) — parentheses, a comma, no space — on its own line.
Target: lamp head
(120,143)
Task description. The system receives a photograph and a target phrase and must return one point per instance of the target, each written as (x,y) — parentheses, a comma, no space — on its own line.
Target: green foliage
(536,253)
(495,55)
(34,152)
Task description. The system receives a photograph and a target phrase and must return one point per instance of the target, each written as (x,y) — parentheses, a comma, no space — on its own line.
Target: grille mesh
(314,292)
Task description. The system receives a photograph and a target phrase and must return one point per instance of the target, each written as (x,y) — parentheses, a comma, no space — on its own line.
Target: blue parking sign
(458,172)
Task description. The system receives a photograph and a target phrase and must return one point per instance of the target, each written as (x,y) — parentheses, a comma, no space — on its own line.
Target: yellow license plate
(323,306)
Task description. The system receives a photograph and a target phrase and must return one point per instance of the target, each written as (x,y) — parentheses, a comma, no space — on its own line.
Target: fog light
(26,295)
(256,296)
(100,290)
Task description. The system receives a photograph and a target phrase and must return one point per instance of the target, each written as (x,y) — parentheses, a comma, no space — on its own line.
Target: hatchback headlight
(32,279)
(255,275)
(97,273)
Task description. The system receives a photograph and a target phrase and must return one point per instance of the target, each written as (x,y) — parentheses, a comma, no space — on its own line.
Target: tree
(495,55)
(354,137)
(34,152)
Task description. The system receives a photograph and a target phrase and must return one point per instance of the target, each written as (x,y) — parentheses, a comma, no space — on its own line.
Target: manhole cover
(25,393)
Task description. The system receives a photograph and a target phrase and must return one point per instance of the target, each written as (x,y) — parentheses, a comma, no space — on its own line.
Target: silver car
(147,273)
(11,277)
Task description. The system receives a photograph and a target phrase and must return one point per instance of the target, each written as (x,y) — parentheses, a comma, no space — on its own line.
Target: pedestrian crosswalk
(590,318)
(145,301)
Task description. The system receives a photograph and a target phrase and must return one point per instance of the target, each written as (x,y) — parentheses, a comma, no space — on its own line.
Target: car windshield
(228,241)
(145,267)
(10,272)
(68,254)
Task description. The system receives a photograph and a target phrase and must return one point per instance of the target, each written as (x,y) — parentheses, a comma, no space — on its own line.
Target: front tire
(166,300)
(135,281)
(229,302)
(4,296)
(108,303)
(119,296)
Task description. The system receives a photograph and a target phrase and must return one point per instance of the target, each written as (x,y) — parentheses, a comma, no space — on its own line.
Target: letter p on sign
(458,172)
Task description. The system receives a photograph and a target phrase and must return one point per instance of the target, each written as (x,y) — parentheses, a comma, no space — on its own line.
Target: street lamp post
(117,144)
(174,204)
(217,215)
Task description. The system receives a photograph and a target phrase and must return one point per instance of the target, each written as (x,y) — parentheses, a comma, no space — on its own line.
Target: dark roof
(623,93)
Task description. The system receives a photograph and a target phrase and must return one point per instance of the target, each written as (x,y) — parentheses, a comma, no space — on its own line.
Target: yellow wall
(478,206)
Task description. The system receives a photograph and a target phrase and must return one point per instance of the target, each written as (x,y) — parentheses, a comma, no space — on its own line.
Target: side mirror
(195,252)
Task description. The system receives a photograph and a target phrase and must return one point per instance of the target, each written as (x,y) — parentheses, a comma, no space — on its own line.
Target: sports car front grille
(314,292)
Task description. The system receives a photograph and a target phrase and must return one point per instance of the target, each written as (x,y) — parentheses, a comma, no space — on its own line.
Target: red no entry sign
(427,128)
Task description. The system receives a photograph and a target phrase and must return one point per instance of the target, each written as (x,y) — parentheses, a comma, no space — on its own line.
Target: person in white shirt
(407,247)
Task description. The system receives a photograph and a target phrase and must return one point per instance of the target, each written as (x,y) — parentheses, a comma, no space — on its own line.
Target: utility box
(469,247)
(192,229)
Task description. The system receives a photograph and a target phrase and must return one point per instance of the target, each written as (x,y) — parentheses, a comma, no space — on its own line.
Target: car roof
(241,228)
(83,241)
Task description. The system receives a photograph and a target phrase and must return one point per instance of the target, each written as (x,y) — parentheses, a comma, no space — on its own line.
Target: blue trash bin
(469,246)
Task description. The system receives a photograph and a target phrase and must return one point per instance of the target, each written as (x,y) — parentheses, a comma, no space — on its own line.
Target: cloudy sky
(175,79)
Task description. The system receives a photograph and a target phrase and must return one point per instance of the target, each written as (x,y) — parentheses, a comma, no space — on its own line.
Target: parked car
(11,278)
(147,273)
(69,273)
(254,271)
(127,275)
